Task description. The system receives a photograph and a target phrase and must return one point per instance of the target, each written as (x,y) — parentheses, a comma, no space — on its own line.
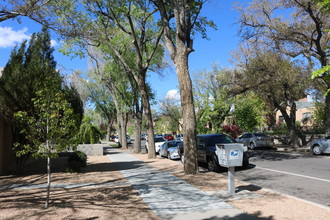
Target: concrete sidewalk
(170,197)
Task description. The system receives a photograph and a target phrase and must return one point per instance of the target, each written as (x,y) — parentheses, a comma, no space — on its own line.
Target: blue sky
(217,49)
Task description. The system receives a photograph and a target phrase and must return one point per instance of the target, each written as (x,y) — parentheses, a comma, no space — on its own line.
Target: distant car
(321,146)
(143,136)
(168,137)
(179,137)
(128,139)
(159,140)
(253,140)
(206,150)
(170,149)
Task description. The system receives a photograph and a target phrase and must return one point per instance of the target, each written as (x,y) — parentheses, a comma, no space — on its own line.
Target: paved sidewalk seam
(170,201)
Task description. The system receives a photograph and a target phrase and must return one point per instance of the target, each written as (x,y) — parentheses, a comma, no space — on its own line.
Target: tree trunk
(109,125)
(291,125)
(188,110)
(119,123)
(137,137)
(149,122)
(48,182)
(123,133)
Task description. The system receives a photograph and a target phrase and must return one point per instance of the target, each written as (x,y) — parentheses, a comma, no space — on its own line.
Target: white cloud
(10,37)
(173,94)
(53,43)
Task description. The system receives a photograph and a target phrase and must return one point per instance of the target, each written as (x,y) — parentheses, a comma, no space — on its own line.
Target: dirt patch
(79,203)
(96,202)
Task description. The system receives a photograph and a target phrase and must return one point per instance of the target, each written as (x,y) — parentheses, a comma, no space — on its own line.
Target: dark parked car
(253,140)
(206,150)
(321,146)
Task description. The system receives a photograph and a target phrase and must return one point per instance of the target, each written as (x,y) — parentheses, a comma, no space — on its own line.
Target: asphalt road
(301,175)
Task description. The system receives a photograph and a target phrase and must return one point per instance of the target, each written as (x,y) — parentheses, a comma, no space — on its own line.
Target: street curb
(299,199)
(288,196)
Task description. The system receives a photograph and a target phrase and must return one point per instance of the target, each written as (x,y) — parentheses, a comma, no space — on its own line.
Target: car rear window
(221,139)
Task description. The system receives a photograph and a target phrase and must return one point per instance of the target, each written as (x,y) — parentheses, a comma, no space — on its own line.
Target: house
(305,110)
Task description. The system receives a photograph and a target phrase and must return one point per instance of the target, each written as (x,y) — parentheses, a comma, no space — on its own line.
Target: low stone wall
(91,149)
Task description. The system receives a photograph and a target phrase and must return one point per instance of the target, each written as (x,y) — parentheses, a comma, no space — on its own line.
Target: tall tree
(299,34)
(277,80)
(249,112)
(211,98)
(171,109)
(26,70)
(49,128)
(108,72)
(178,37)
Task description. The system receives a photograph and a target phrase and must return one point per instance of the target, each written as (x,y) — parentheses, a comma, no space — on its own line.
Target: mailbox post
(230,155)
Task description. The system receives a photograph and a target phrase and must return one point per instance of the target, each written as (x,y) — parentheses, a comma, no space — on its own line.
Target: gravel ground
(120,201)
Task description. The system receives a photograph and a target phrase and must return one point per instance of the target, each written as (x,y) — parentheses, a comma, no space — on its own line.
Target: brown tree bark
(147,111)
(137,136)
(188,110)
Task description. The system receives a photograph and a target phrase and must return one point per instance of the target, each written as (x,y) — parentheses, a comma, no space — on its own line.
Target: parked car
(179,137)
(143,136)
(321,146)
(128,139)
(168,137)
(253,140)
(170,149)
(206,150)
(159,140)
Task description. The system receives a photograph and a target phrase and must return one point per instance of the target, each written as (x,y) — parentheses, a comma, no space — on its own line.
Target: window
(306,115)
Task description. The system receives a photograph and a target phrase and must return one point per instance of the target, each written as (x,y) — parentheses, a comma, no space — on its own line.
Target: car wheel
(317,150)
(252,146)
(211,166)
(168,155)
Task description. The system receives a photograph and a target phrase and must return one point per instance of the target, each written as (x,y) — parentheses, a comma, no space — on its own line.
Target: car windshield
(159,139)
(173,144)
(221,139)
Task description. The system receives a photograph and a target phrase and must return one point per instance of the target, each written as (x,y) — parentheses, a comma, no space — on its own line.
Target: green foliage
(324,73)
(32,92)
(248,112)
(89,133)
(76,161)
(211,99)
(319,114)
(131,130)
(170,110)
(50,127)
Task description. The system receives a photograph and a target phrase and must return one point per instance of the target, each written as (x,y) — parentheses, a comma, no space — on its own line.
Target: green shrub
(89,133)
